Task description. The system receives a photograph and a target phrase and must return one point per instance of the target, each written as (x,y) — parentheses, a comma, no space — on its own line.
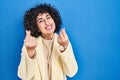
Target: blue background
(93,27)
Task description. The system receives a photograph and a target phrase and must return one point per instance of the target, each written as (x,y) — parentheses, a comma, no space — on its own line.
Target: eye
(48,17)
(40,21)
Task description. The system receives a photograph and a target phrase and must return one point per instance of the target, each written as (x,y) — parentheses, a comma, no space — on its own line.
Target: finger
(27,38)
(64,33)
(28,33)
(33,41)
(61,35)
(59,39)
(26,43)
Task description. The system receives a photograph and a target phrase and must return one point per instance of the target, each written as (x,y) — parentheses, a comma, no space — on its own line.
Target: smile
(48,27)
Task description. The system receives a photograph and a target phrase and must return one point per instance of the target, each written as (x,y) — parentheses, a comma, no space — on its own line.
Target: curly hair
(31,15)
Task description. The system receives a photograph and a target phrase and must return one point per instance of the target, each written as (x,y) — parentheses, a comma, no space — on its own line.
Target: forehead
(42,14)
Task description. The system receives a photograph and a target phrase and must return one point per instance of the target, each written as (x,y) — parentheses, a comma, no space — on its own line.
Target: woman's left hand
(63,38)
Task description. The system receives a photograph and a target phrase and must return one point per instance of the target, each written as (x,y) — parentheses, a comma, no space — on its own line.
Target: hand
(30,43)
(63,38)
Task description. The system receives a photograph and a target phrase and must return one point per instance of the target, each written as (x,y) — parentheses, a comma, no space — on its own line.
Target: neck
(48,36)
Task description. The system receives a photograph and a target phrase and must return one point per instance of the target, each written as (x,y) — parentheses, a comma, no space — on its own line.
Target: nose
(46,22)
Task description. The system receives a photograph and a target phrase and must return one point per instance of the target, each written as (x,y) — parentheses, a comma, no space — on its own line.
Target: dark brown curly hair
(31,15)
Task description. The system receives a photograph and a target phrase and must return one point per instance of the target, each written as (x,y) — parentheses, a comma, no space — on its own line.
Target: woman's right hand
(30,43)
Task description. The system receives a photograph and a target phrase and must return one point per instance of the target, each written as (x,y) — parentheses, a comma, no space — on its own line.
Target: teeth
(49,27)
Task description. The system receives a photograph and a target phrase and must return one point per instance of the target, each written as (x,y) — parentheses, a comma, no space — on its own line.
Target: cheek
(53,22)
(40,26)
(41,29)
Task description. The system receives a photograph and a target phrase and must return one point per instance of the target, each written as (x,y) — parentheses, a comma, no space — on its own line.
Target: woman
(45,54)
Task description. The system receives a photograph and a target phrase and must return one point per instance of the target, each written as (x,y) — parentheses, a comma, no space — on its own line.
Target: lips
(48,27)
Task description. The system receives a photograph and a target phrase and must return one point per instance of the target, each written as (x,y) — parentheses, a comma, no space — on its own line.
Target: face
(45,24)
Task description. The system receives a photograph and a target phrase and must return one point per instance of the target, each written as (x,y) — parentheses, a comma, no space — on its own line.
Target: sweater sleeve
(68,61)
(26,66)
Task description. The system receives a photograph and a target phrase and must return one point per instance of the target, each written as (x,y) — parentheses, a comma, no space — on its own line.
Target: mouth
(48,27)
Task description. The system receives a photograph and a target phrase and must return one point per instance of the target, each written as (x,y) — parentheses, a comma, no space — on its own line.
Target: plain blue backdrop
(93,27)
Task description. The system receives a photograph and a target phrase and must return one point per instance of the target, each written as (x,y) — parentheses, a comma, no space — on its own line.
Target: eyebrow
(46,16)
(39,19)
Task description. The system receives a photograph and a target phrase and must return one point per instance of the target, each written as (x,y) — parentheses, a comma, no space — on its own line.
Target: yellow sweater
(62,63)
